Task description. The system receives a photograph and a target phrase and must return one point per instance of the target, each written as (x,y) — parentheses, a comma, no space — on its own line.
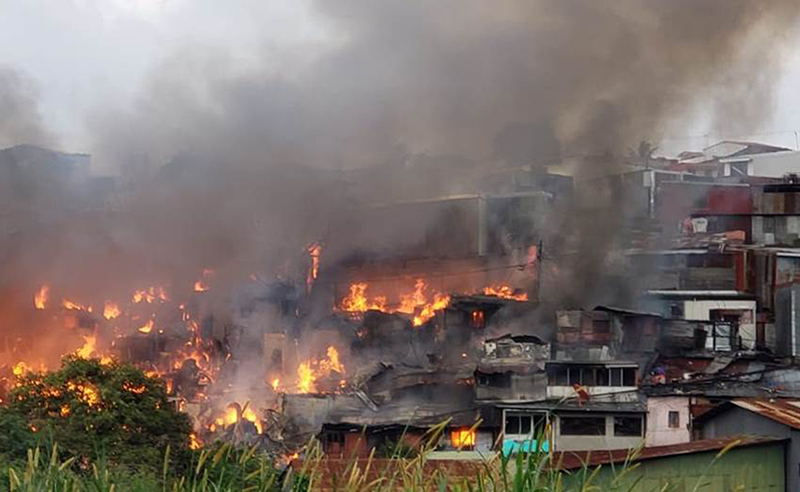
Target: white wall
(595,443)
(606,393)
(700,310)
(659,432)
(774,164)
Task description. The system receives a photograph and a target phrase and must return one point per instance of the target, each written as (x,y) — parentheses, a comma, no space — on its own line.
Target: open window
(582,426)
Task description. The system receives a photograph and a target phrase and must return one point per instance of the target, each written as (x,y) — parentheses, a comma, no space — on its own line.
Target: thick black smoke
(260,158)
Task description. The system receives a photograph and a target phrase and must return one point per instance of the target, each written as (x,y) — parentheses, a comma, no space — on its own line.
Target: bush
(95,412)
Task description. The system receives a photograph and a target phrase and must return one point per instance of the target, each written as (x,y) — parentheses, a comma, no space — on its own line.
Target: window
(629,376)
(738,169)
(583,426)
(674,420)
(333,442)
(628,426)
(523,424)
(591,376)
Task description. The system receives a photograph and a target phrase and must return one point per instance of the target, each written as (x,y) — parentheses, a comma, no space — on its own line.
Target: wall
(659,433)
(700,310)
(758,468)
(737,421)
(785,230)
(609,393)
(774,164)
(591,443)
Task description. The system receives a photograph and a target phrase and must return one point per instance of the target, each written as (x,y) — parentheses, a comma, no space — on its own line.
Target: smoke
(239,166)
(21,121)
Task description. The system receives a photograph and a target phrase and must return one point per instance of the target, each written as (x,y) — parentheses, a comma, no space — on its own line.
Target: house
(736,158)
(773,417)
(512,368)
(750,463)
(571,425)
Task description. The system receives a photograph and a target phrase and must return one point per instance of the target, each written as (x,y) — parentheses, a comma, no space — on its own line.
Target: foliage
(97,411)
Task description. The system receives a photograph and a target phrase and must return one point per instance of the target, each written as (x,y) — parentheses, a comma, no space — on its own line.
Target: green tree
(97,411)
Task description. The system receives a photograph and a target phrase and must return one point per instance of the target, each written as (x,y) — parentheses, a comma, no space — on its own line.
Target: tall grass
(226,468)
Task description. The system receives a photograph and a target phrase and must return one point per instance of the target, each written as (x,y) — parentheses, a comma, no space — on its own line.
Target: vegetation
(116,432)
(95,412)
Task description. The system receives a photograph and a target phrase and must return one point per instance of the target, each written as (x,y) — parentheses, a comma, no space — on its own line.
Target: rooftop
(570,460)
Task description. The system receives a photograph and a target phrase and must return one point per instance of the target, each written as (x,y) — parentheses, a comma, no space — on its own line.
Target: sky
(85,55)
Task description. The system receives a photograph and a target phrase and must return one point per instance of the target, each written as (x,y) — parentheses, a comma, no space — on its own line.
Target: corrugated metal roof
(785,411)
(570,460)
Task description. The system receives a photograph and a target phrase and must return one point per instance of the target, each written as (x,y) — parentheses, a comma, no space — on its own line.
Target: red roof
(570,460)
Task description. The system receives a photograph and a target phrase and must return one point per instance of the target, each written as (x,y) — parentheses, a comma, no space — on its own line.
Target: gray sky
(84,55)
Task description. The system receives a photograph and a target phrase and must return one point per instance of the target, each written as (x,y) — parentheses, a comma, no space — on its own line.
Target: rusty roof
(785,411)
(570,460)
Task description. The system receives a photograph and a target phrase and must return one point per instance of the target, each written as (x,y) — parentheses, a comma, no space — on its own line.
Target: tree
(94,410)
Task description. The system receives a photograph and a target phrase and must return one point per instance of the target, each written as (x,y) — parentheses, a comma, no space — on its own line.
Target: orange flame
(462,438)
(276,384)
(314,252)
(249,415)
(20,369)
(67,304)
(41,297)
(308,372)
(85,392)
(202,284)
(89,345)
(110,310)
(505,292)
(194,443)
(148,327)
(415,303)
(306,378)
(150,295)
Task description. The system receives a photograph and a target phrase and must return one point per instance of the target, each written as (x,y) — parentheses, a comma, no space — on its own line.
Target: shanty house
(779,418)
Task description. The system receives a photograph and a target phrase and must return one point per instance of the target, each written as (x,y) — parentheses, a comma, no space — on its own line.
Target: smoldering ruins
(397,230)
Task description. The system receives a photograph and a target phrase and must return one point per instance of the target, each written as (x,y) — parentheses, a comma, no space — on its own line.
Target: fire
(67,304)
(276,384)
(85,392)
(314,252)
(20,369)
(150,295)
(357,302)
(305,378)
(89,345)
(135,389)
(505,292)
(332,362)
(148,327)
(462,438)
(202,284)
(64,411)
(111,310)
(308,372)
(41,297)
(415,303)
(249,415)
(194,443)
(231,415)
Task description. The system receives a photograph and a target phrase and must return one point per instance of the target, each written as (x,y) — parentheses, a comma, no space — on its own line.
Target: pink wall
(659,433)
